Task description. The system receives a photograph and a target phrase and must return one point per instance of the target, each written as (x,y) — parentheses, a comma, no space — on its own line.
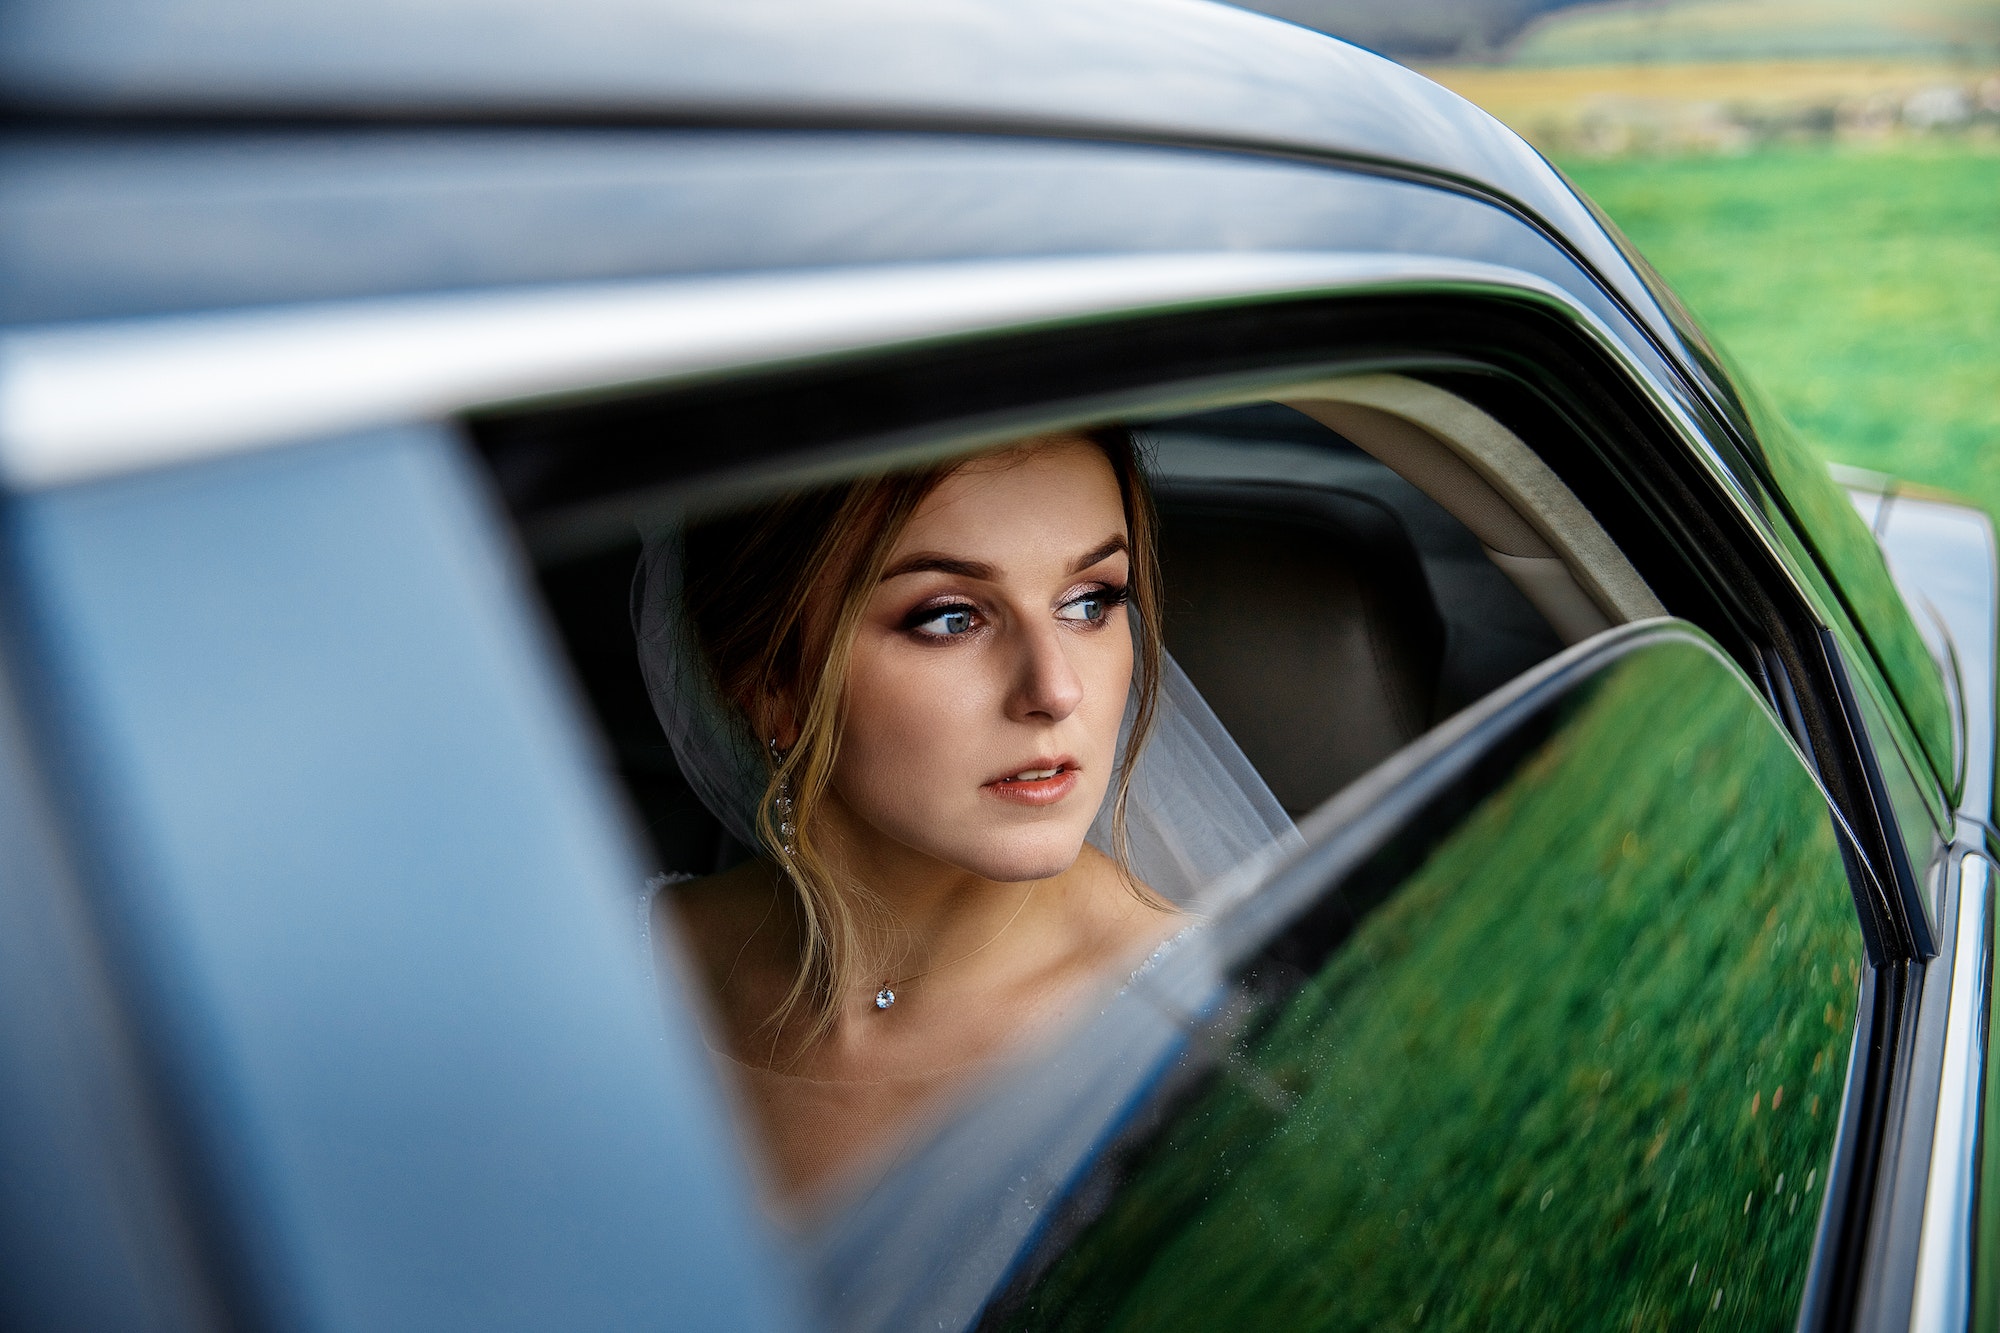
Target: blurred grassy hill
(1727,75)
(1612,110)
(1414,29)
(1708,30)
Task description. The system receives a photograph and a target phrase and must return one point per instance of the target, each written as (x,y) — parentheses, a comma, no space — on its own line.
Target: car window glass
(1336,619)
(1570,1033)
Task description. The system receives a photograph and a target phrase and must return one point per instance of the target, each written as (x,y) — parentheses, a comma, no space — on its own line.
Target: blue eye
(1092,607)
(947,623)
(1089,608)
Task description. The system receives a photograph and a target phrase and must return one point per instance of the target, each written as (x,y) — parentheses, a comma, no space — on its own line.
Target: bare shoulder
(726,921)
(1126,919)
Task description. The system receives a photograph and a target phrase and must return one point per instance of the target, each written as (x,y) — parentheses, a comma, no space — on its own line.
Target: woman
(923,680)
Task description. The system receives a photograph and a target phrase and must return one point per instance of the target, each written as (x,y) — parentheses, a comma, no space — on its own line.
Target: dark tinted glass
(1568,1044)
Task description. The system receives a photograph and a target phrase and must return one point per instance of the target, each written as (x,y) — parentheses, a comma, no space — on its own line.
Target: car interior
(1344,568)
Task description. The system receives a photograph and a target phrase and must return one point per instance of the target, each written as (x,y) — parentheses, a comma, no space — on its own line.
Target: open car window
(1342,571)
(1554,1009)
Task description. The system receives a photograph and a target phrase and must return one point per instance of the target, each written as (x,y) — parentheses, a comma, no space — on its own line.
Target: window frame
(1629,453)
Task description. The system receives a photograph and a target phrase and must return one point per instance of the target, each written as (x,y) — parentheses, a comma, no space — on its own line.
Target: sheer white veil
(1202,827)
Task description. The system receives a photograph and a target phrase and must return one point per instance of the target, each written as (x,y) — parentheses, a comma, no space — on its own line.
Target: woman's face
(991,669)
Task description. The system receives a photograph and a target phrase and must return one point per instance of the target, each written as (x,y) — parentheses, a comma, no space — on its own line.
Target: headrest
(1303,615)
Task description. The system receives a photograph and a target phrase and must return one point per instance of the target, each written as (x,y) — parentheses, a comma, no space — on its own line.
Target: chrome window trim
(1942,1297)
(93,399)
(87,401)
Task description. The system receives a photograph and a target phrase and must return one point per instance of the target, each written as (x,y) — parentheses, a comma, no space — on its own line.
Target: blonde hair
(776,594)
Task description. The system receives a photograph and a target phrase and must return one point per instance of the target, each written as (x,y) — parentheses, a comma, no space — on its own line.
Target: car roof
(1172,71)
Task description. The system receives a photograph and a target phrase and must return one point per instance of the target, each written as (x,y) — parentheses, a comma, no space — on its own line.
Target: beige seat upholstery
(1303,616)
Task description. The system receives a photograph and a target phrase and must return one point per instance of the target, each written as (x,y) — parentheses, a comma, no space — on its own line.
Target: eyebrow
(932,562)
(1110,548)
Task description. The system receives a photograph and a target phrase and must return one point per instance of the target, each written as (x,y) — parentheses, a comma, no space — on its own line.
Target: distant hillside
(1648,31)
(1416,29)
(1574,32)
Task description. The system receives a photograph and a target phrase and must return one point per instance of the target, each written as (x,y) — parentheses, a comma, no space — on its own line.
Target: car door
(390,1052)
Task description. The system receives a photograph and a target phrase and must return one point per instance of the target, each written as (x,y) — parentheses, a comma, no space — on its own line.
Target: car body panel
(98,1230)
(117,222)
(1170,70)
(1942,554)
(377,910)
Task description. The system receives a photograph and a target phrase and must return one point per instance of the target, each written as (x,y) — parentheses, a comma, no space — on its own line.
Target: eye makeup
(956,617)
(961,617)
(1107,598)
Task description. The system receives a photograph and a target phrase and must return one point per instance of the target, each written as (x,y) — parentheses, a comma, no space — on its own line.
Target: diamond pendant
(884,998)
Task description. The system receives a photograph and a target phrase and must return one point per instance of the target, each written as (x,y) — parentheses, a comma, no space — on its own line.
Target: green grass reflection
(1583,1069)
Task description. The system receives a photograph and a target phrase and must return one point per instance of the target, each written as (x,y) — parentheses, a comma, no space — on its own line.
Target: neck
(928,913)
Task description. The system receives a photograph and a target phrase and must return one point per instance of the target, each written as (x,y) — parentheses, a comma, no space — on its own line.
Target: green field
(1859,287)
(1759,29)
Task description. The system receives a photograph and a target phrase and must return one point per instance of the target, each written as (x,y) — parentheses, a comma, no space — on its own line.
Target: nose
(1047,688)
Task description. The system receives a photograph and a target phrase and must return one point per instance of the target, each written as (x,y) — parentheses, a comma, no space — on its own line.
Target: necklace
(887,995)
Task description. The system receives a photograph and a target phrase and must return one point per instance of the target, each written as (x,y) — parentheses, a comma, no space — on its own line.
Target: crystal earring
(781,806)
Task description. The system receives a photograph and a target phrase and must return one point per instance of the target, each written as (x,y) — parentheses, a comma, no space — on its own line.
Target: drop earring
(781,805)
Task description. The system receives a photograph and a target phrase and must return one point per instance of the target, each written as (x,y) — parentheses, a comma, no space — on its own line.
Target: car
(1634,969)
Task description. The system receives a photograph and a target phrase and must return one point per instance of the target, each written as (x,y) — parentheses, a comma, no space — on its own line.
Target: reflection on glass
(1583,1061)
